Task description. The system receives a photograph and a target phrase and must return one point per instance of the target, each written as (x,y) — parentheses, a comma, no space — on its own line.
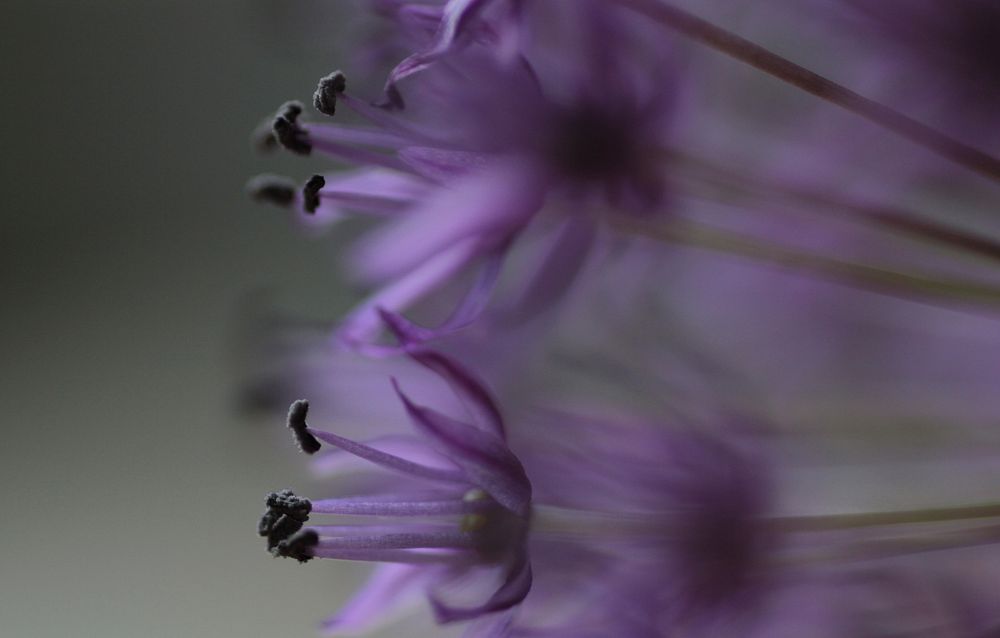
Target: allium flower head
(656,505)
(483,145)
(458,499)
(684,515)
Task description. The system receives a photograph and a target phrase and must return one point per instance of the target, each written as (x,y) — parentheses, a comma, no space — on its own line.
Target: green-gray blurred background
(130,482)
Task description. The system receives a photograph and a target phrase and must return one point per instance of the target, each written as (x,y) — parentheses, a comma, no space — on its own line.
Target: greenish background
(131,484)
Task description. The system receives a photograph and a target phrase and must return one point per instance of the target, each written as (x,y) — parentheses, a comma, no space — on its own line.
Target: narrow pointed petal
(489,205)
(442,165)
(468,311)
(469,389)
(456,16)
(514,590)
(483,456)
(363,324)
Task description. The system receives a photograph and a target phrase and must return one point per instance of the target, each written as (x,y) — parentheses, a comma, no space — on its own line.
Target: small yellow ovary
(473,522)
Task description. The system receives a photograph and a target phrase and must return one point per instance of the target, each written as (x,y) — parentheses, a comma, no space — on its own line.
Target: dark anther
(310,193)
(297,546)
(286,514)
(267,522)
(297,422)
(325,97)
(287,130)
(272,189)
(288,503)
(277,527)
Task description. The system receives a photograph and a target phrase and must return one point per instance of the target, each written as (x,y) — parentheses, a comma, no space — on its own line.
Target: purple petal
(468,311)
(514,590)
(485,458)
(470,390)
(363,324)
(456,16)
(489,205)
(441,165)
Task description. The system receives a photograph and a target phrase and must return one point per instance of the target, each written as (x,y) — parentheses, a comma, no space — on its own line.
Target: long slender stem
(937,291)
(834,522)
(800,77)
(891,547)
(908,222)
(557,521)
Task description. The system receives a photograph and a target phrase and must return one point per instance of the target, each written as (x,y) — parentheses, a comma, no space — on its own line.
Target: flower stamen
(288,131)
(310,193)
(329,89)
(297,423)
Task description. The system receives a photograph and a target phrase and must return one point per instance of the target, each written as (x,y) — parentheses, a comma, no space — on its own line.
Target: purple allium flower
(482,147)
(518,125)
(459,500)
(682,512)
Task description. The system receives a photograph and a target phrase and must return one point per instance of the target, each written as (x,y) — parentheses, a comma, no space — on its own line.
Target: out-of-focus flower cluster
(656,343)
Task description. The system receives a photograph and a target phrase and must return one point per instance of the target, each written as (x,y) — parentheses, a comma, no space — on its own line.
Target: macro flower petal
(483,455)
(489,205)
(513,590)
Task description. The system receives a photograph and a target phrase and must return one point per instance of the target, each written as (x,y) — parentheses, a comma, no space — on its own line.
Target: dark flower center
(496,528)
(721,546)
(589,143)
(977,40)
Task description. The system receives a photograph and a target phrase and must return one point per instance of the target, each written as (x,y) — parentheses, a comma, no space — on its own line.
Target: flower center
(589,143)
(495,528)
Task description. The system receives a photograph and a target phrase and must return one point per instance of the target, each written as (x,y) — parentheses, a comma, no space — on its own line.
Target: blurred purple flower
(482,146)
(519,125)
(684,514)
(460,504)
